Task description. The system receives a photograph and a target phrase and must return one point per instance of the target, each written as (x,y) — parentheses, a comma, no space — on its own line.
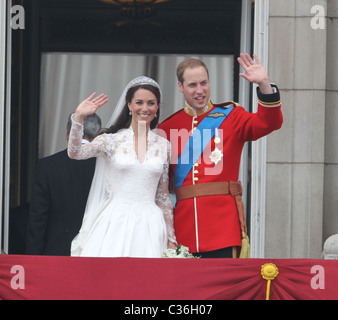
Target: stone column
(295,154)
(331,125)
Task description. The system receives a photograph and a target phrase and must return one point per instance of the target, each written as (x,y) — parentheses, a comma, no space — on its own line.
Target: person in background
(59,197)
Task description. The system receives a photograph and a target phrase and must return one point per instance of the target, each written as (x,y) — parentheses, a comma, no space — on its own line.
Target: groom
(209,215)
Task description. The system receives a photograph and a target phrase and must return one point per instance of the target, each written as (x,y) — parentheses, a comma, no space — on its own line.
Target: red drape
(46,277)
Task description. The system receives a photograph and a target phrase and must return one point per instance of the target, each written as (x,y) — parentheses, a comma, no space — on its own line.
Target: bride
(128,212)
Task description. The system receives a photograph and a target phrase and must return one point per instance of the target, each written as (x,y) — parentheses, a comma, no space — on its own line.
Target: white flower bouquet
(180,252)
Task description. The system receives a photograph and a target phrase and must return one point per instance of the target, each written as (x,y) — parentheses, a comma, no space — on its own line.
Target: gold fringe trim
(245,249)
(270,104)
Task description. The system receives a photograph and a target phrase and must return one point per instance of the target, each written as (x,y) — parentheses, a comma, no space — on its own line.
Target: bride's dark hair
(124,119)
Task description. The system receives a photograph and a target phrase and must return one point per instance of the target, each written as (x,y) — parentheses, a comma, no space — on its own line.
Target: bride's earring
(130,113)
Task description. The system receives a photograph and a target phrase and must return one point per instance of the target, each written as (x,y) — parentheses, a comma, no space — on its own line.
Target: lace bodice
(127,178)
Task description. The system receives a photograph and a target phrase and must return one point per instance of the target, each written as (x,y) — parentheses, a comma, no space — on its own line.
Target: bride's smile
(143,106)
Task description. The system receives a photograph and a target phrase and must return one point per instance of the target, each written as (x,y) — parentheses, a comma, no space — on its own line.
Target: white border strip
(258,191)
(7,128)
(5,94)
(3,31)
(244,91)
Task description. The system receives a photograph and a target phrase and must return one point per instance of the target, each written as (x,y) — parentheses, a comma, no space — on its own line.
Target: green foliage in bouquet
(180,252)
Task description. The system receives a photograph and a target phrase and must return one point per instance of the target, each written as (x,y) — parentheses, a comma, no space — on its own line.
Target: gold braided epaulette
(227,104)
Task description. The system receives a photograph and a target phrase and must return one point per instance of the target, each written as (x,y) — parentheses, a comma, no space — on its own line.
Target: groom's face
(195,87)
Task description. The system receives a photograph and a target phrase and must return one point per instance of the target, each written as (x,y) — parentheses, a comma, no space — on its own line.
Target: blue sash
(197,143)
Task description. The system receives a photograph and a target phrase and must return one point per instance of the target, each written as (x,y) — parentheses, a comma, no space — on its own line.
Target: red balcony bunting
(63,278)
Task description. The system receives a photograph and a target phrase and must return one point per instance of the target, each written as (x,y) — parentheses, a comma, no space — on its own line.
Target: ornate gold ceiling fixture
(136,9)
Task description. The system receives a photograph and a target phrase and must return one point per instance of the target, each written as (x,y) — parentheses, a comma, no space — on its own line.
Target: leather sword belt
(216,188)
(209,189)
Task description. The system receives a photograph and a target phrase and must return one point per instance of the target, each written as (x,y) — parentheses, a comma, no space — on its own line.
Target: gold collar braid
(197,112)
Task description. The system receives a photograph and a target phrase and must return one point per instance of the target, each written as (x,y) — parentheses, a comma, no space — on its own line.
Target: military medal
(216,156)
(217,138)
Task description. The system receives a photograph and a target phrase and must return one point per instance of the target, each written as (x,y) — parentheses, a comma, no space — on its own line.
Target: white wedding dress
(135,218)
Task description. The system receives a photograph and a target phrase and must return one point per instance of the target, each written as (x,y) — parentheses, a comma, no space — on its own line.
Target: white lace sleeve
(76,150)
(163,198)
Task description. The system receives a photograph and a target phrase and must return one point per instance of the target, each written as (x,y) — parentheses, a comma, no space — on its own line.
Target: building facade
(302,157)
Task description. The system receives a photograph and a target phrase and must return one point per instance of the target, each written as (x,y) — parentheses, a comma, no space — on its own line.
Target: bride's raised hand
(89,106)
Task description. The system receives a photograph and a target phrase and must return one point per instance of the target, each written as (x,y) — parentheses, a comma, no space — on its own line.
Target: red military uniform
(206,223)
